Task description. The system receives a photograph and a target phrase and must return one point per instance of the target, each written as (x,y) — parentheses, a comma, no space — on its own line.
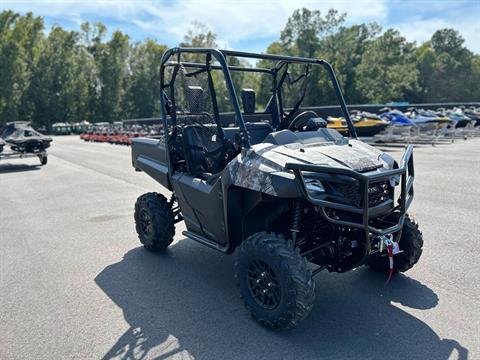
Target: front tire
(274,281)
(411,242)
(154,221)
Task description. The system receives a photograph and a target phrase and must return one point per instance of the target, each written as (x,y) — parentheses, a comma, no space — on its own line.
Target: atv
(270,182)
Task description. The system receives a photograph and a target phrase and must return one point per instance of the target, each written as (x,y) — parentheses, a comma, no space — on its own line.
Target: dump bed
(149,155)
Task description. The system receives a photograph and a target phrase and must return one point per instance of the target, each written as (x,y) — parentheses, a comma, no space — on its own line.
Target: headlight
(394,181)
(314,186)
(387,160)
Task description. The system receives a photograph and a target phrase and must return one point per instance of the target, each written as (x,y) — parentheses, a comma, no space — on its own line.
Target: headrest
(195,99)
(248,100)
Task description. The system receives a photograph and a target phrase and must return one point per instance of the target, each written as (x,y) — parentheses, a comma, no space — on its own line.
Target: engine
(336,248)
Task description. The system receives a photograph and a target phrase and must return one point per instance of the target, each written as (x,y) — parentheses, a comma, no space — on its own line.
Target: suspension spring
(296,220)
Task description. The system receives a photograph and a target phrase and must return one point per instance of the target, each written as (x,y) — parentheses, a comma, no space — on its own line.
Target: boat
(459,118)
(395,117)
(474,114)
(428,120)
(23,138)
(366,124)
(400,123)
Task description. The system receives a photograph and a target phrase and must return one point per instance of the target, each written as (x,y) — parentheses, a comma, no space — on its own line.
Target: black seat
(204,151)
(258,131)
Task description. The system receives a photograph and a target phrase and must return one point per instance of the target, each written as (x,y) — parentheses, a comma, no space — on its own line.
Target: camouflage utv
(262,176)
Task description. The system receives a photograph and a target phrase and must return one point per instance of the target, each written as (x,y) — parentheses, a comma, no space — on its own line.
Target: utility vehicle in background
(269,181)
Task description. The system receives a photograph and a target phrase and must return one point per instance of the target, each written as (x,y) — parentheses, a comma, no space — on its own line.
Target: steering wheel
(301,119)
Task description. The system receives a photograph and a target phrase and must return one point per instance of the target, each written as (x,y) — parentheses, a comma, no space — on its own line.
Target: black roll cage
(221,57)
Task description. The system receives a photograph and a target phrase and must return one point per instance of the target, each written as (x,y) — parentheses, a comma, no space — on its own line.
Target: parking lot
(75,282)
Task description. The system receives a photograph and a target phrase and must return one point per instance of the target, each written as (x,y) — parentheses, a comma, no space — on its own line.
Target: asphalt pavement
(76,284)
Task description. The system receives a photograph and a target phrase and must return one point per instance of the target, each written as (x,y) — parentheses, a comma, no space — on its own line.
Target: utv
(290,196)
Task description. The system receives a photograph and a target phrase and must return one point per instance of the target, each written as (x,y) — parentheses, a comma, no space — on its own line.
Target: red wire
(390,260)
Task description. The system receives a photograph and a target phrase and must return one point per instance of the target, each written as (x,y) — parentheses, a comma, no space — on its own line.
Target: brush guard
(366,212)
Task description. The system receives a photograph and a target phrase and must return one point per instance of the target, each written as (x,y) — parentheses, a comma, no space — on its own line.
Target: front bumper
(365,212)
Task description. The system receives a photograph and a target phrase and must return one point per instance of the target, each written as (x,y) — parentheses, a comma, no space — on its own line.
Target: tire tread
(301,293)
(163,221)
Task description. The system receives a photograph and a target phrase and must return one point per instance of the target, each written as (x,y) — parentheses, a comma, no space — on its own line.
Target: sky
(251,25)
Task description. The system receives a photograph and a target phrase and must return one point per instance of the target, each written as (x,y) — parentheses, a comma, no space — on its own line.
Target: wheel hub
(145,222)
(263,284)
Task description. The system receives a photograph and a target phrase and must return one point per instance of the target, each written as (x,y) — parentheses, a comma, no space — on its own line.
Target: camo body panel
(259,167)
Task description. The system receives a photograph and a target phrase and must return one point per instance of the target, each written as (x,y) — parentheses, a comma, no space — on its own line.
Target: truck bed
(150,155)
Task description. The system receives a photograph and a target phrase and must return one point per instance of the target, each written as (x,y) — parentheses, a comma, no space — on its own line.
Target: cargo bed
(149,155)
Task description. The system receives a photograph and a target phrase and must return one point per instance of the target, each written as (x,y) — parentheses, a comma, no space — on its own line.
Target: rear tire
(411,242)
(154,221)
(274,281)
(43,160)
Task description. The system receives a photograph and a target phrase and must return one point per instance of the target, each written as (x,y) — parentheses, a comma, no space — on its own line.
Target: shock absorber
(296,220)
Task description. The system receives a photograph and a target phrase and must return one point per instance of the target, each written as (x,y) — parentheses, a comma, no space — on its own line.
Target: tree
(387,70)
(61,79)
(344,51)
(447,69)
(306,28)
(200,36)
(71,76)
(19,50)
(143,88)
(303,35)
(111,61)
(449,41)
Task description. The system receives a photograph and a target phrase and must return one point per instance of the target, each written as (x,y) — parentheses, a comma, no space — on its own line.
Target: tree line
(75,75)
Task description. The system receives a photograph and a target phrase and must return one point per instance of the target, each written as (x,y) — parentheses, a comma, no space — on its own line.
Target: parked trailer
(42,156)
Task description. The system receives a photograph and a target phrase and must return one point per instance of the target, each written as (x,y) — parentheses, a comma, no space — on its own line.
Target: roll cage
(217,60)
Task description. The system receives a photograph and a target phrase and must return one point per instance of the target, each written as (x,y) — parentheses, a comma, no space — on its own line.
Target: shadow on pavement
(184,303)
(9,168)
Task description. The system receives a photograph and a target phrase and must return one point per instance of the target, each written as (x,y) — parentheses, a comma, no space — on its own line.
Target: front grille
(349,192)
(377,193)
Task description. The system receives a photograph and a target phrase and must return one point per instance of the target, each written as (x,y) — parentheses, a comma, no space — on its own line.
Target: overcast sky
(251,25)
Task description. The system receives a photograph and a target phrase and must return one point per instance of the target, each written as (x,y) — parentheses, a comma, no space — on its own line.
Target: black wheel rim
(145,222)
(263,284)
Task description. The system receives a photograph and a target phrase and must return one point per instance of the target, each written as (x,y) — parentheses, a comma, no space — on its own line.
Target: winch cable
(389,244)
(392,250)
